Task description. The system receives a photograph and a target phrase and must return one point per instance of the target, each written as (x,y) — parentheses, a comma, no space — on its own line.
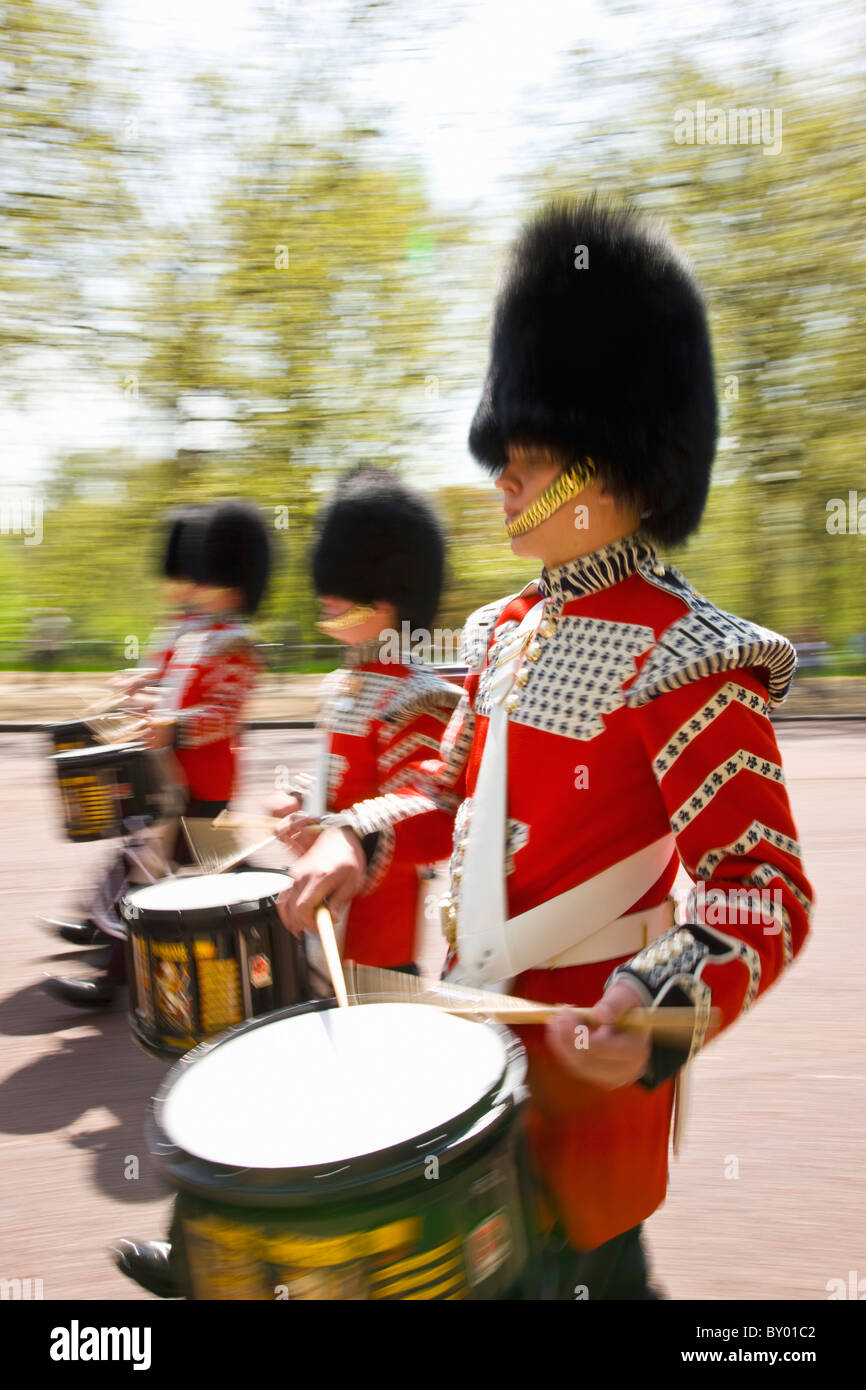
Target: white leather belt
(624,937)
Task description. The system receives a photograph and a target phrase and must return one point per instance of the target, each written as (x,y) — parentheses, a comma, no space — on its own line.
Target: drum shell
(467,1236)
(455,1222)
(72,735)
(204,963)
(104,788)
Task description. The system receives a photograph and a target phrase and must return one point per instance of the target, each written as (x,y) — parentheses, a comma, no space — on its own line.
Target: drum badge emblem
(488,1247)
(260,972)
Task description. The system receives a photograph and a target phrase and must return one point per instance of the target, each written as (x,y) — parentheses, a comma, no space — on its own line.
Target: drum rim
(181,922)
(101,752)
(463,1137)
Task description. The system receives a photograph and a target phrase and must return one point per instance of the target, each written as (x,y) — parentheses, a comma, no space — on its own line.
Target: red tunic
(378,718)
(205,686)
(639,710)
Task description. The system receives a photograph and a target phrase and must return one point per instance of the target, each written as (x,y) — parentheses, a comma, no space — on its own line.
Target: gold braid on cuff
(566,485)
(353,617)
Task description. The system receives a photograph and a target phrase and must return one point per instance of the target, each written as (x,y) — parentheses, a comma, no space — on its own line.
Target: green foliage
(285,328)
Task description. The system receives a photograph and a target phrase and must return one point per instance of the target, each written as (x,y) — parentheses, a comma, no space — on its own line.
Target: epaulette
(475,637)
(707,640)
(421,692)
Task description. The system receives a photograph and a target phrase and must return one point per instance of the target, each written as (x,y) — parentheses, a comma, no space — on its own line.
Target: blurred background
(248,244)
(243,247)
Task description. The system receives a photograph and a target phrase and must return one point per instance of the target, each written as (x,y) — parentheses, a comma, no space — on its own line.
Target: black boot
(84,994)
(85,933)
(148,1262)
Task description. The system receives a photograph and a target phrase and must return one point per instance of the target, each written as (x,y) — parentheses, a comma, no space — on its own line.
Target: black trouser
(616,1270)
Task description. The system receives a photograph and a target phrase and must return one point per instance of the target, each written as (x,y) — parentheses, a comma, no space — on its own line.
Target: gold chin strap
(566,485)
(353,617)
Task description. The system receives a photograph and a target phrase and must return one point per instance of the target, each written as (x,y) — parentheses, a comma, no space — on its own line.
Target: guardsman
(614,726)
(206,682)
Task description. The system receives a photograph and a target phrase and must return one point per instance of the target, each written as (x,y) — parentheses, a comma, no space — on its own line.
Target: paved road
(766,1202)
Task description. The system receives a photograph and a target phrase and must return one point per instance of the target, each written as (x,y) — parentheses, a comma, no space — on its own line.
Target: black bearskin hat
(379,540)
(180,548)
(612,361)
(233,550)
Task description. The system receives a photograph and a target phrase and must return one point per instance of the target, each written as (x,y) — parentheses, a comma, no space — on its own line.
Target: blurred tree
(776,240)
(278,331)
(286,306)
(67,117)
(480,564)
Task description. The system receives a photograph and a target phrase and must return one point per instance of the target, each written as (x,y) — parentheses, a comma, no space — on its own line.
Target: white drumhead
(209,890)
(331,1085)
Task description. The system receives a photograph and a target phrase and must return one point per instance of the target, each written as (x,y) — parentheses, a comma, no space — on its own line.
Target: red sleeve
(410,818)
(414,816)
(224,688)
(159,652)
(719,772)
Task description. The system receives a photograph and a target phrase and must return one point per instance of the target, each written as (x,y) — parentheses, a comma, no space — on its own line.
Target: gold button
(522,677)
(511,703)
(533,652)
(659,570)
(449,921)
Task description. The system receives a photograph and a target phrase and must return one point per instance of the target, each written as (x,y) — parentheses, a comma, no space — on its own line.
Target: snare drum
(364,1153)
(74,734)
(206,953)
(104,789)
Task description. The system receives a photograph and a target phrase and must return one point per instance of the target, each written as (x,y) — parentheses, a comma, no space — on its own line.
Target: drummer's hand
(282,804)
(598,1053)
(155,733)
(298,832)
(333,871)
(143,702)
(130,681)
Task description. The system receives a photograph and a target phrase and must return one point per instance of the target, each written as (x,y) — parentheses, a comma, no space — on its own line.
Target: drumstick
(108,702)
(231,820)
(637,1020)
(217,858)
(119,727)
(392,986)
(221,865)
(332,954)
(239,820)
